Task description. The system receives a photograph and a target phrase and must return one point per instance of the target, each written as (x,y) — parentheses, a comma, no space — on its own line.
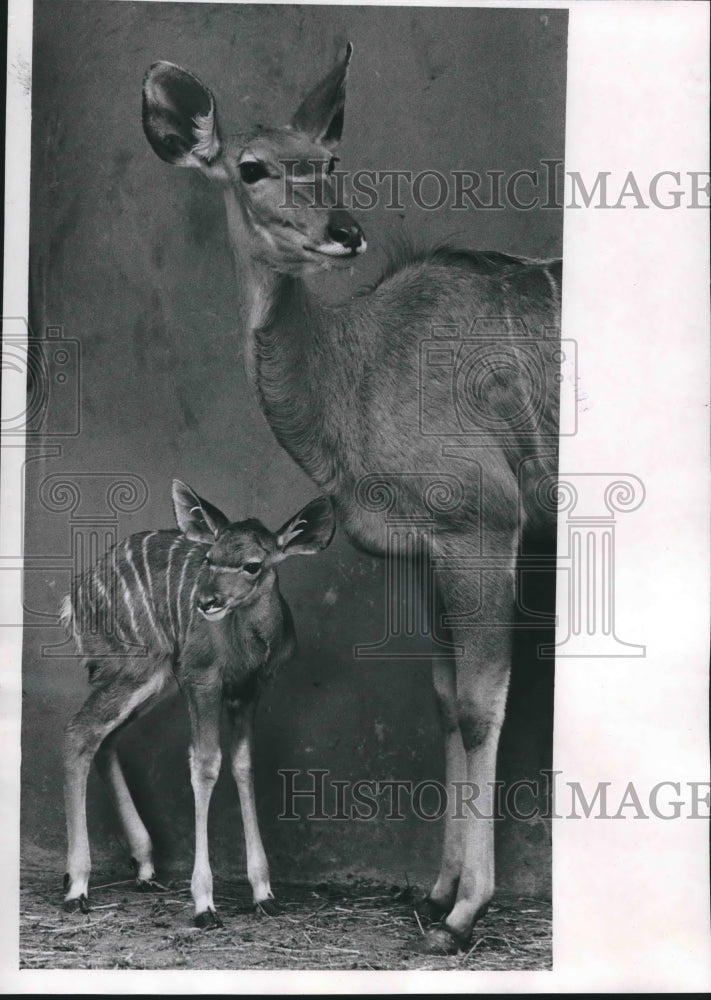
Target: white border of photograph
(631,895)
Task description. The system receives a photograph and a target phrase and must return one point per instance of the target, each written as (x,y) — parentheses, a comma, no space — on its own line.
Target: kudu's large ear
(310,531)
(197,519)
(320,115)
(179,117)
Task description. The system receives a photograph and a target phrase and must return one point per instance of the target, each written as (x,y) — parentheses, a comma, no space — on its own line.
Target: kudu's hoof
(440,940)
(80,904)
(267,908)
(208,920)
(430,911)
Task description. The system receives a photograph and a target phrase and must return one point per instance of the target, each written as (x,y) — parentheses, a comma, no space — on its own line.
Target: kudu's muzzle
(343,229)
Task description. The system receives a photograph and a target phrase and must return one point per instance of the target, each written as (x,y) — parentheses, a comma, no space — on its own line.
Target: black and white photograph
(420,293)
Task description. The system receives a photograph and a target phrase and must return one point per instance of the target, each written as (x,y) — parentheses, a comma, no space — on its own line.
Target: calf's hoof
(267,908)
(208,920)
(440,940)
(80,904)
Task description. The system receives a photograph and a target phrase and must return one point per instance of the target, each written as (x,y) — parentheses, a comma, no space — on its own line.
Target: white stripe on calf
(129,607)
(66,612)
(180,594)
(168,601)
(191,606)
(79,610)
(142,589)
(112,624)
(105,603)
(147,565)
(149,577)
(68,620)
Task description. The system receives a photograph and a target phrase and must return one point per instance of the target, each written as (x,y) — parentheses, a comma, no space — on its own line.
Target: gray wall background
(131,258)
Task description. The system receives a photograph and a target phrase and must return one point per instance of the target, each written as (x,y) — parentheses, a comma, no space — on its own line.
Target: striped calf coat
(202,605)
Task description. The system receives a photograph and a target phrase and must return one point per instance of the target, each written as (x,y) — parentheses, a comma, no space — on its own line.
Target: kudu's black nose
(344,230)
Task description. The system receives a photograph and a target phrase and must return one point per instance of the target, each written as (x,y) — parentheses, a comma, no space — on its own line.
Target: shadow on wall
(132,260)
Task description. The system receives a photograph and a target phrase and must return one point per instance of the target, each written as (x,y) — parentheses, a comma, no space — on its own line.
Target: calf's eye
(252,567)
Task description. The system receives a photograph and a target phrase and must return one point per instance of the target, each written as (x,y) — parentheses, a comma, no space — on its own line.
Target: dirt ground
(354,925)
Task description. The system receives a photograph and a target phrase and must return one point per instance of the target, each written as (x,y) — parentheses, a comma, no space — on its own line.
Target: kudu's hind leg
(106,708)
(482,676)
(443,894)
(137,837)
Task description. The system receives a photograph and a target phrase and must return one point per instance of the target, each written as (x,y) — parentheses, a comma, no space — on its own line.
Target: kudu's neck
(291,356)
(258,284)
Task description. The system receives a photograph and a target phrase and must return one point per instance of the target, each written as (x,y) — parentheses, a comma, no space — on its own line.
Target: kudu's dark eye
(251,171)
(252,567)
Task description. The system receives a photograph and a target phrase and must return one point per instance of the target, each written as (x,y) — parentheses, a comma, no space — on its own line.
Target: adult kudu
(347,395)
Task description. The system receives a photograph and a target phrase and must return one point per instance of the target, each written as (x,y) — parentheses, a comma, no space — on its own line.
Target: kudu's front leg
(204,704)
(241,753)
(482,677)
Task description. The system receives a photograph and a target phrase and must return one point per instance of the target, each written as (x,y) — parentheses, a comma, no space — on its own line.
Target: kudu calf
(201,604)
(348,395)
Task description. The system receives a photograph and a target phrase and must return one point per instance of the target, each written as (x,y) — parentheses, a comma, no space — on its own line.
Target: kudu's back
(451,364)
